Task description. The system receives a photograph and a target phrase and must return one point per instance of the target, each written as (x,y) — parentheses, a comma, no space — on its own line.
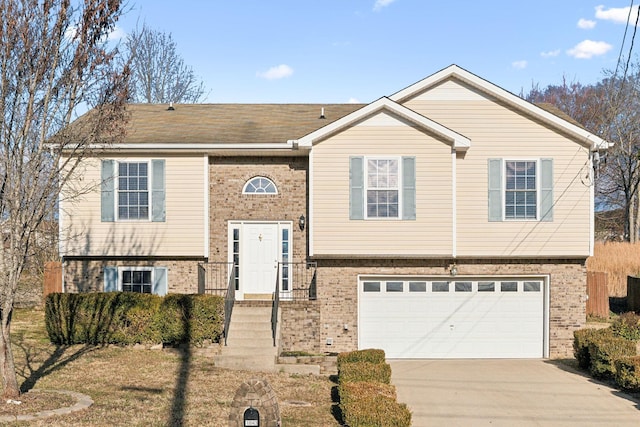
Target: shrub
(128,318)
(365,371)
(628,373)
(366,404)
(627,326)
(581,340)
(604,350)
(369,355)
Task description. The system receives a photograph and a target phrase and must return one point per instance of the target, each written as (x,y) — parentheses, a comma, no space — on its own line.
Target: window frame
(504,189)
(123,269)
(250,180)
(117,190)
(399,188)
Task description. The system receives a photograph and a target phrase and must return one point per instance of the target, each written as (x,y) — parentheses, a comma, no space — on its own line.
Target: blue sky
(359,50)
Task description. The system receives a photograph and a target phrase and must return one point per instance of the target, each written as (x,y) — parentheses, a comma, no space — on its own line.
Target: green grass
(150,387)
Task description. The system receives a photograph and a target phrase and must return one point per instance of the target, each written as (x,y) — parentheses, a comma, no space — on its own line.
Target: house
(451,219)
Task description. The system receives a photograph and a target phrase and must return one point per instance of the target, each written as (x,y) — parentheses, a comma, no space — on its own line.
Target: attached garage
(475,317)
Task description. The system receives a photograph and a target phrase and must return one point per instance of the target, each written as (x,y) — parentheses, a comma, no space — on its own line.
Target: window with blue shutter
(382,187)
(520,189)
(133,191)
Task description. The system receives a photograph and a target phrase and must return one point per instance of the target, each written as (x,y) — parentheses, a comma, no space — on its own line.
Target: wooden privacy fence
(52,278)
(633,293)
(598,294)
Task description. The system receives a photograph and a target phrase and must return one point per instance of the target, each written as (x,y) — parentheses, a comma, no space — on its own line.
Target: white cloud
(586,24)
(550,53)
(381,3)
(519,65)
(279,72)
(117,34)
(353,100)
(619,15)
(588,48)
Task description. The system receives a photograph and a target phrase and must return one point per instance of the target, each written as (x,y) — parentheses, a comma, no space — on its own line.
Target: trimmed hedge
(367,404)
(365,372)
(628,373)
(371,355)
(367,399)
(581,340)
(129,318)
(604,350)
(627,326)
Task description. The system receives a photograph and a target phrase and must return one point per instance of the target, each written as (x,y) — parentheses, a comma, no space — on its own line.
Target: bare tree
(158,72)
(611,110)
(54,61)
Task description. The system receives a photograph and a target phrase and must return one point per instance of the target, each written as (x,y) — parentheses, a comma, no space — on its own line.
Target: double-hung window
(133,190)
(382,188)
(520,190)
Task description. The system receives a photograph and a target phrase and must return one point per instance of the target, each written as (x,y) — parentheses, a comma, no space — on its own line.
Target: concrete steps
(250,341)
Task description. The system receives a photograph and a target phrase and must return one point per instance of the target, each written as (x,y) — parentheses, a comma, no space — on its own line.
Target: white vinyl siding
(498,131)
(382,136)
(181,234)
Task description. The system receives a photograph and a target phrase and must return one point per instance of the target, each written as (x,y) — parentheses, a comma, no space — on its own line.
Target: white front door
(257,247)
(261,258)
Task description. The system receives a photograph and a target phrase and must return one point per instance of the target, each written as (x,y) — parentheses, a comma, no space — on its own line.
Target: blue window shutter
(356,187)
(110,279)
(160,281)
(107,190)
(409,188)
(157,196)
(495,189)
(546,189)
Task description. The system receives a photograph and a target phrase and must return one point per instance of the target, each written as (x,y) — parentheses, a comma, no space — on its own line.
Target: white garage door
(461,318)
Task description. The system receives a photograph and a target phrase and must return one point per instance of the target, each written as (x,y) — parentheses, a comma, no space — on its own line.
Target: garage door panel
(453,324)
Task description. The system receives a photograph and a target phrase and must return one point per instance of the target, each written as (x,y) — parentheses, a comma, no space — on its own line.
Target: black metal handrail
(229,301)
(213,277)
(298,280)
(275,306)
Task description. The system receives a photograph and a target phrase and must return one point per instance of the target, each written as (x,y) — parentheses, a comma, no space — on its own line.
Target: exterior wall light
(301,222)
(454,270)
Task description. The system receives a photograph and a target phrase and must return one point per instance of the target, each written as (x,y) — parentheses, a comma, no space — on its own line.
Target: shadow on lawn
(59,358)
(336,411)
(176,416)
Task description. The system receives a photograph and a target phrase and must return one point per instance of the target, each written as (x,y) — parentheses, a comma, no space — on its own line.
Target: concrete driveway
(507,393)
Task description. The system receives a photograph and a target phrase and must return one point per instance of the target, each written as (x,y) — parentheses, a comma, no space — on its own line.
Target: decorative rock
(257,394)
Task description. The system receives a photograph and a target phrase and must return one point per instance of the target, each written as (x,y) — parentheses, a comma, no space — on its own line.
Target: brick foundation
(300,326)
(87,275)
(338,295)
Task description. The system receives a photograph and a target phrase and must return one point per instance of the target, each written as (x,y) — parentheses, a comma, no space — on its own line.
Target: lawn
(149,387)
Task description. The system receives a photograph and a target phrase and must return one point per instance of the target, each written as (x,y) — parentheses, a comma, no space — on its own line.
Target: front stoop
(250,341)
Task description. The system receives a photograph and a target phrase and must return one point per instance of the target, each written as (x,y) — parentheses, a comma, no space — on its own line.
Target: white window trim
(117,189)
(504,189)
(366,188)
(122,269)
(246,184)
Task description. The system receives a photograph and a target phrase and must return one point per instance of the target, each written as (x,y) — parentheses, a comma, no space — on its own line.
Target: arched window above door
(259,185)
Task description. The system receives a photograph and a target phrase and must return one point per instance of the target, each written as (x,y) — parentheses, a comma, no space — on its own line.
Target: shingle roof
(228,123)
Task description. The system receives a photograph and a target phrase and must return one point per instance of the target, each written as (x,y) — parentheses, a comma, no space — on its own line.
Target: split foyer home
(451,219)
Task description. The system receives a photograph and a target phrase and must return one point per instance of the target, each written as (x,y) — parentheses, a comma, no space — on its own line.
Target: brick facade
(227,177)
(338,293)
(300,326)
(87,275)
